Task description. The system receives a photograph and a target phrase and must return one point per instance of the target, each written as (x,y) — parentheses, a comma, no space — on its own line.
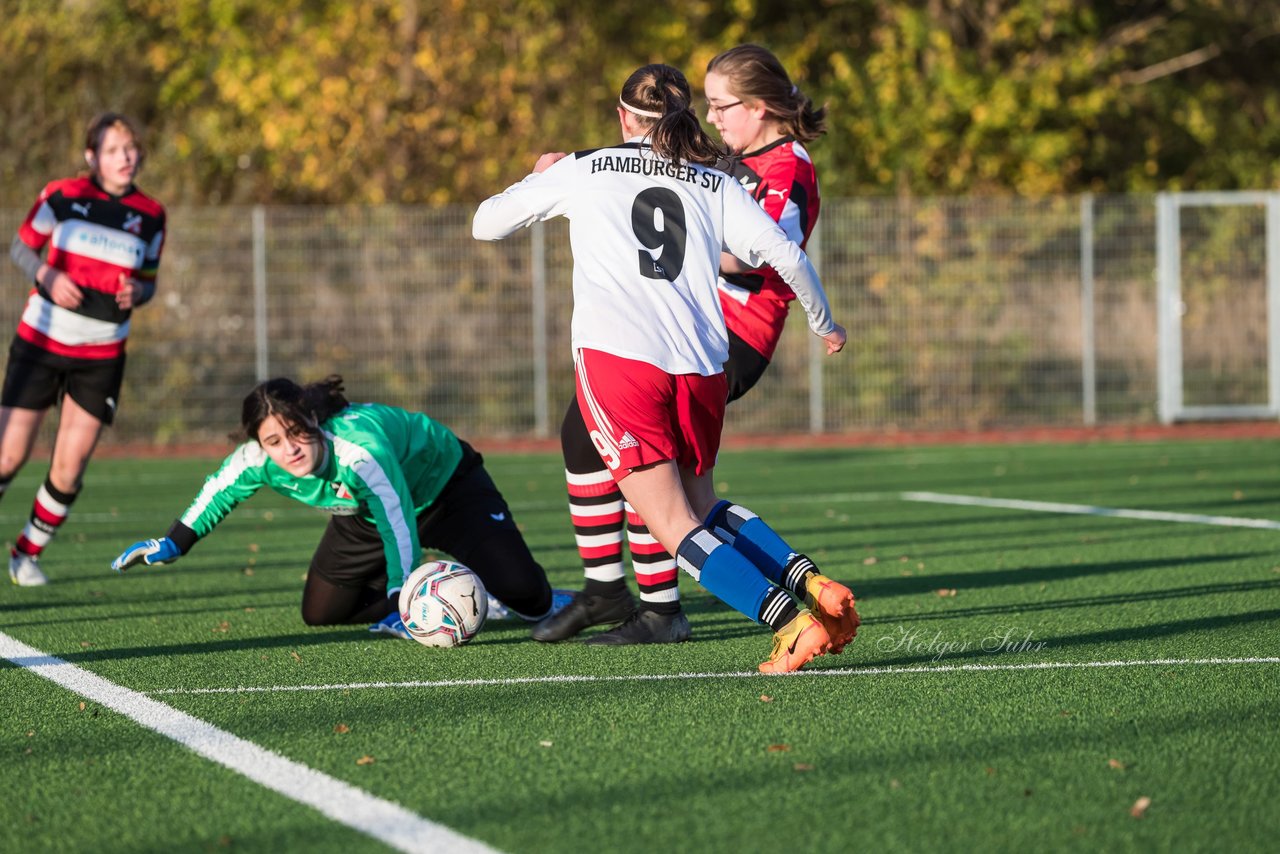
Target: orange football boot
(832,603)
(799,642)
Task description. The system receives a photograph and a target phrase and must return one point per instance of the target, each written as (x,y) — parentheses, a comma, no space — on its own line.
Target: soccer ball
(443,604)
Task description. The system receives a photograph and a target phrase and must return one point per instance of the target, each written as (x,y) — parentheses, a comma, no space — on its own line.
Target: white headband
(630,109)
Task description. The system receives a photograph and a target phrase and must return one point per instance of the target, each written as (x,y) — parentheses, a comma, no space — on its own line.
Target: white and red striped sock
(48,512)
(595,505)
(656,573)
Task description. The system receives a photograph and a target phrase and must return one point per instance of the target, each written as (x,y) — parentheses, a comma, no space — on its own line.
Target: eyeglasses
(718,109)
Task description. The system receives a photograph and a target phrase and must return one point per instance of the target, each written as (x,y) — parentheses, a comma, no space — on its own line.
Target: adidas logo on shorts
(627,441)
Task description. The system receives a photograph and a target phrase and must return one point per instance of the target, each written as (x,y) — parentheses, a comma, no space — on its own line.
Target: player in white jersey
(766,121)
(648,221)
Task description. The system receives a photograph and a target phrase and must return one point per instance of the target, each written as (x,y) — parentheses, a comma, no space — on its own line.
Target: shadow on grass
(1126,634)
(323,636)
(1080,602)
(875,588)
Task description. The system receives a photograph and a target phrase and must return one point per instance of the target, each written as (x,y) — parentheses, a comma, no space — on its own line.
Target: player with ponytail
(648,220)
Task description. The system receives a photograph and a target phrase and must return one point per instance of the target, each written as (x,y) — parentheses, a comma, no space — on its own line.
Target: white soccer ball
(443,603)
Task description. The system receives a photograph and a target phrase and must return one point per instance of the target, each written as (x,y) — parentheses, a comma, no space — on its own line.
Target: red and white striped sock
(595,505)
(48,512)
(656,573)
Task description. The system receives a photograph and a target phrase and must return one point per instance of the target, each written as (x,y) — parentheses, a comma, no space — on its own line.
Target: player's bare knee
(67,479)
(10,466)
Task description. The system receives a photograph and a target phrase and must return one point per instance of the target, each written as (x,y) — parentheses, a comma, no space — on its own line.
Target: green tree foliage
(431,102)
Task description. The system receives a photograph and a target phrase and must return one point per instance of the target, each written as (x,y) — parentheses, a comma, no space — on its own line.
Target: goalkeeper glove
(148,552)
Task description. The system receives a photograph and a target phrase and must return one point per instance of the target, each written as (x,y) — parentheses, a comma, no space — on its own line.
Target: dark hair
(756,76)
(677,135)
(103,122)
(302,408)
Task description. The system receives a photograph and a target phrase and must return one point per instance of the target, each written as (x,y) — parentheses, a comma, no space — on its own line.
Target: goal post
(1203,363)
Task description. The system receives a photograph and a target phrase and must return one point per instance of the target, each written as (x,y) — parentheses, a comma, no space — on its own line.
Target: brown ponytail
(676,135)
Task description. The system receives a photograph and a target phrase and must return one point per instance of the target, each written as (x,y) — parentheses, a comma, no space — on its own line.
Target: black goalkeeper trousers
(470,522)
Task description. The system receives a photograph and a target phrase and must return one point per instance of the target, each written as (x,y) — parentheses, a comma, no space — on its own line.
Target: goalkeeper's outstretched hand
(148,552)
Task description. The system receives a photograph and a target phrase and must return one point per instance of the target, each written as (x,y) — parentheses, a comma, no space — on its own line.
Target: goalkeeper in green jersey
(392,482)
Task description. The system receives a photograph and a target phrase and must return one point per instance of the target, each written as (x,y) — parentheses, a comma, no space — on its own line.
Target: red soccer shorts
(639,414)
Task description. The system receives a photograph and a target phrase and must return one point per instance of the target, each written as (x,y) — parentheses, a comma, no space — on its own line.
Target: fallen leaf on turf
(946,591)
(296,657)
(778,748)
(248,570)
(1139,807)
(250,610)
(30,733)
(545,743)
(801,766)
(894,784)
(765,698)
(341,728)
(222,627)
(82,707)
(85,644)
(1116,764)
(991,772)
(366,760)
(253,547)
(869,561)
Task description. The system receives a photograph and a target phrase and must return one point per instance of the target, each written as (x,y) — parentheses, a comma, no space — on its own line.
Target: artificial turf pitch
(1023,680)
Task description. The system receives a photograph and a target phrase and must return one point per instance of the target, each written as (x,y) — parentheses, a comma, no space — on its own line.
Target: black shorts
(745,367)
(469,521)
(37,379)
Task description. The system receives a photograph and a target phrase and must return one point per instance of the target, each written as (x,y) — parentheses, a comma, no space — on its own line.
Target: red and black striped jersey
(93,237)
(782,180)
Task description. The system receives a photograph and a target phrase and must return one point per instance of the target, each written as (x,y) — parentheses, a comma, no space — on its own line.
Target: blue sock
(749,534)
(728,575)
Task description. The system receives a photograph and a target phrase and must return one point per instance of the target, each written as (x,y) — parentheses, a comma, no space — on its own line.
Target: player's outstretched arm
(147,552)
(521,205)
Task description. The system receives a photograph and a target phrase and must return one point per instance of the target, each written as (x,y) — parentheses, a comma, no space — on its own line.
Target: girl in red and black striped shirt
(104,238)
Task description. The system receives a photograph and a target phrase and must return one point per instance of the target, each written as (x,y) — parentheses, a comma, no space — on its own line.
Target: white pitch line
(744,674)
(383,820)
(1089,510)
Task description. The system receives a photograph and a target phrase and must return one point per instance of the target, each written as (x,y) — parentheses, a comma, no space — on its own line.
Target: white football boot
(24,571)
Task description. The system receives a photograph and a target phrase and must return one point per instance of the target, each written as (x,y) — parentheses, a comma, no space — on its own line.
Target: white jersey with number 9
(646,235)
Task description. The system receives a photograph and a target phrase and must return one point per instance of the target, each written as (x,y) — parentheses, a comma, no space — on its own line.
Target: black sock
(613,589)
(669,609)
(798,571)
(778,609)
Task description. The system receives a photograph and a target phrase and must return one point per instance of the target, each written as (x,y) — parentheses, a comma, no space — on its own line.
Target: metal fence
(962,313)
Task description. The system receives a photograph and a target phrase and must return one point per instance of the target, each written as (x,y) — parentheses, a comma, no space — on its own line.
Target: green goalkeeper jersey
(379,462)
